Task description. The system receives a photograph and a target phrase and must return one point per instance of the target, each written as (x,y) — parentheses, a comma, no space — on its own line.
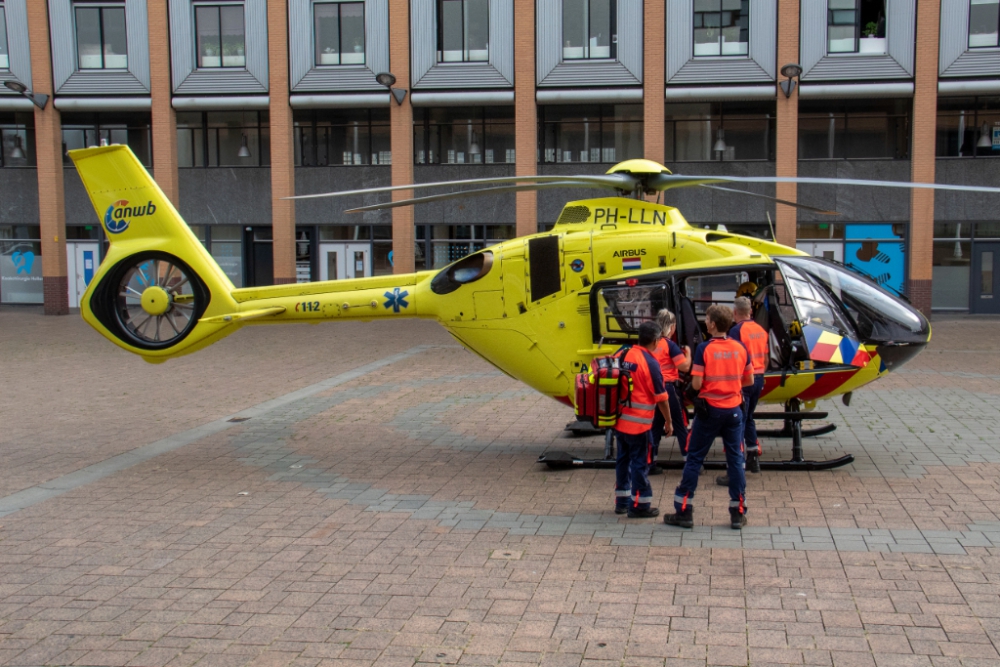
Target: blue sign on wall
(882,261)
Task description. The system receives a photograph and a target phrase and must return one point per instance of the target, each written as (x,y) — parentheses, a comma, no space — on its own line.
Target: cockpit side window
(814,305)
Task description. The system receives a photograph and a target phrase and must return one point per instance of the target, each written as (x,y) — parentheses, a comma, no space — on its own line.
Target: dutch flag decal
(631,263)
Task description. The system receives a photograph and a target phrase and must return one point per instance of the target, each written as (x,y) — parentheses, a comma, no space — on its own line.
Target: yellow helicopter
(539,308)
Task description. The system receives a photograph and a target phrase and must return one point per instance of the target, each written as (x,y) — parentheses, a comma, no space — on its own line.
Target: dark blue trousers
(751,395)
(725,422)
(676,418)
(632,487)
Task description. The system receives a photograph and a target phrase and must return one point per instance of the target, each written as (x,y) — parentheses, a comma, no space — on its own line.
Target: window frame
(340,34)
(968,42)
(481,122)
(844,112)
(313,126)
(439,13)
(606,123)
(101,124)
(977,109)
(217,5)
(717,118)
(205,152)
(6,41)
(858,28)
(100,7)
(612,28)
(720,12)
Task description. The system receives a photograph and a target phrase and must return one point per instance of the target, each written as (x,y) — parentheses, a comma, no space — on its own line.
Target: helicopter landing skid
(792,417)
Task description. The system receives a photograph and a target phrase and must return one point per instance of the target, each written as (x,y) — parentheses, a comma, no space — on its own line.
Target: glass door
(985,281)
(342,261)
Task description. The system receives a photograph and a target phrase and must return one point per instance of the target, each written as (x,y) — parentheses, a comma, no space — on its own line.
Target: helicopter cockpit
(818,314)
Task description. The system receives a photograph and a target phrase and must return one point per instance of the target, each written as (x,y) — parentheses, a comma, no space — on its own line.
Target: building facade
(235,104)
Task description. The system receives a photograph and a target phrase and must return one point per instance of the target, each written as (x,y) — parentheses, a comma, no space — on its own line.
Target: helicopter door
(620,309)
(544,267)
(829,337)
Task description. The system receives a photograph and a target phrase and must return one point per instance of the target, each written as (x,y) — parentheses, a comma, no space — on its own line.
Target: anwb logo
(116,218)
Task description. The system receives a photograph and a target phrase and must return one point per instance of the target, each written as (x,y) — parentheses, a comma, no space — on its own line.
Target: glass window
(851,22)
(464,135)
(855,130)
(968,127)
(17,139)
(100,37)
(84,130)
(721,27)
(4,54)
(984,23)
(720,131)
(463,30)
(227,248)
(223,139)
(340,33)
(21,264)
(334,137)
(220,32)
(591,133)
(589,29)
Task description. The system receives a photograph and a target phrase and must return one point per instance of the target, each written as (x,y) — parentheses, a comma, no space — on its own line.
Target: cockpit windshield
(879,316)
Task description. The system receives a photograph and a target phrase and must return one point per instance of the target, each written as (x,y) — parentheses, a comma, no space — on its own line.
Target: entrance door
(340,261)
(82,260)
(985,289)
(824,249)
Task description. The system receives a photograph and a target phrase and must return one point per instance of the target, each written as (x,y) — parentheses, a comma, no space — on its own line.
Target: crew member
(720,369)
(672,359)
(632,429)
(754,339)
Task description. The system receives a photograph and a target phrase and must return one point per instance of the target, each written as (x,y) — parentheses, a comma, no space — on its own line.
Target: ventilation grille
(573,214)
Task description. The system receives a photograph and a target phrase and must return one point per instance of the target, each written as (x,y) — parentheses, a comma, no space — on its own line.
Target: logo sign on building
(996,137)
(20,272)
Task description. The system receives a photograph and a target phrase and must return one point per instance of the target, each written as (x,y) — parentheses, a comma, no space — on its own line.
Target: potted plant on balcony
(869,43)
(210,56)
(232,54)
(329,57)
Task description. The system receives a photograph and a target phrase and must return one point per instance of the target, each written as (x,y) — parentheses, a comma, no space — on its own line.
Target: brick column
(654,79)
(48,148)
(525,113)
(282,155)
(403,260)
(924,134)
(164,120)
(787,140)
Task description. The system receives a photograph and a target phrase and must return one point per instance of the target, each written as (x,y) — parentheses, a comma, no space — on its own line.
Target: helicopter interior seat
(692,329)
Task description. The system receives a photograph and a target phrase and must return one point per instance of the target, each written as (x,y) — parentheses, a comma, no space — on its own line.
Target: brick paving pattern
(395,516)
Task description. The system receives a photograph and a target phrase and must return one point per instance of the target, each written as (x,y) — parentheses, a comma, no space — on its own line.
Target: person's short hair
(741,306)
(721,316)
(648,333)
(666,320)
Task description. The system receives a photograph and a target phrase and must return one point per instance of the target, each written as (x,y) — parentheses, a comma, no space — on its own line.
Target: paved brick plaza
(381,506)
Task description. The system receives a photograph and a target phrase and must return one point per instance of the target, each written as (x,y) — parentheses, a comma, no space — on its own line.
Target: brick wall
(525,113)
(787,124)
(164,119)
(654,80)
(282,152)
(48,148)
(402,137)
(923,149)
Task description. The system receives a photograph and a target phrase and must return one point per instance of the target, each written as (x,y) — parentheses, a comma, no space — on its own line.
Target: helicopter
(540,308)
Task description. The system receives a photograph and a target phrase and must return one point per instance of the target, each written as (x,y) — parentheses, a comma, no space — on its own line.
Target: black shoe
(643,514)
(753,462)
(654,470)
(682,519)
(621,509)
(737,519)
(722,480)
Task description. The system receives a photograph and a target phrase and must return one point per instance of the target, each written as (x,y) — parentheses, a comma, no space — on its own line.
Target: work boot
(647,513)
(722,480)
(654,469)
(683,519)
(753,461)
(737,519)
(621,509)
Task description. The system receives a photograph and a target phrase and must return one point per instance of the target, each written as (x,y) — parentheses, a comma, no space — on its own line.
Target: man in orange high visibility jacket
(719,370)
(754,339)
(632,430)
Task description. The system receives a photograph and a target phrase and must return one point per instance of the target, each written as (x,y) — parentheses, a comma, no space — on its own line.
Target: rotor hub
(155,300)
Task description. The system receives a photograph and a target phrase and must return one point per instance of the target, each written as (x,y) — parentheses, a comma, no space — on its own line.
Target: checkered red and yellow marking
(811,385)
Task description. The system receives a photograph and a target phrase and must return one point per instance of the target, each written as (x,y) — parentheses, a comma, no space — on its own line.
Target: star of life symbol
(396,300)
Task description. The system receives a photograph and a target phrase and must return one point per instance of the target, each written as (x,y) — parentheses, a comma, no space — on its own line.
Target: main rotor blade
(775,199)
(668,181)
(477,193)
(615,181)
